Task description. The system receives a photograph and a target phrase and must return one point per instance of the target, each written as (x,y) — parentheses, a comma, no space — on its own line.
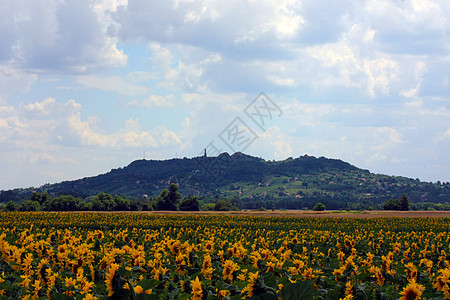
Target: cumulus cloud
(13,79)
(380,73)
(66,36)
(413,27)
(186,72)
(54,123)
(209,59)
(209,24)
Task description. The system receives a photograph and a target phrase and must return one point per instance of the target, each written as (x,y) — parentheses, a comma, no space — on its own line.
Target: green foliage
(39,197)
(208,206)
(401,203)
(190,204)
(248,183)
(168,199)
(319,207)
(299,290)
(11,206)
(224,205)
(29,205)
(103,202)
(61,203)
(120,204)
(236,201)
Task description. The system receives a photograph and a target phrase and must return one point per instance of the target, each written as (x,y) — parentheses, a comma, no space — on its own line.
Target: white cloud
(66,36)
(446,135)
(280,144)
(419,71)
(209,59)
(154,101)
(380,72)
(13,79)
(209,23)
(307,114)
(390,136)
(140,76)
(113,84)
(53,123)
(130,136)
(186,72)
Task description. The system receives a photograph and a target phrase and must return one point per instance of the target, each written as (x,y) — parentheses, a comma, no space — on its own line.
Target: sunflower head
(412,291)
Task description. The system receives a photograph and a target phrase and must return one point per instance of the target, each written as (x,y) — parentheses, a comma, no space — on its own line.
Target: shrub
(319,207)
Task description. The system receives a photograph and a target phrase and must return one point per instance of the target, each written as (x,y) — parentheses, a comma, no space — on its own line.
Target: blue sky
(87,86)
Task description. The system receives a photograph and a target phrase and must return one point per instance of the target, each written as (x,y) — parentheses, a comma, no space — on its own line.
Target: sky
(88,86)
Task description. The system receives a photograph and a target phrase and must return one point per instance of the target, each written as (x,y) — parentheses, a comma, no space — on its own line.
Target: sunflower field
(144,256)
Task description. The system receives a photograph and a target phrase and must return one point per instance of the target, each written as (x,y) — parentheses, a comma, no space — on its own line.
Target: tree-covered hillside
(292,183)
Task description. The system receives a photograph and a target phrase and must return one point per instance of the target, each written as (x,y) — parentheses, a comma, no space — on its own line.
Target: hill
(291,183)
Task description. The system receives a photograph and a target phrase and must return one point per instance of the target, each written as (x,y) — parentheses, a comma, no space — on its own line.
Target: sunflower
(249,289)
(229,269)
(109,276)
(442,282)
(411,271)
(89,297)
(348,289)
(41,270)
(223,294)
(37,287)
(207,269)
(378,275)
(412,291)
(2,292)
(138,289)
(197,291)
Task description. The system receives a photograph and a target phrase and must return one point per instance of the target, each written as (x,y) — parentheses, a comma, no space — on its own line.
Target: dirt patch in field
(319,214)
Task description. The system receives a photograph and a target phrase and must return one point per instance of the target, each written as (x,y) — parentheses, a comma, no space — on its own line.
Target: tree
(168,199)
(174,196)
(39,197)
(84,206)
(391,204)
(236,201)
(224,205)
(8,196)
(404,202)
(62,203)
(190,204)
(134,205)
(319,207)
(103,202)
(11,206)
(121,204)
(401,203)
(29,205)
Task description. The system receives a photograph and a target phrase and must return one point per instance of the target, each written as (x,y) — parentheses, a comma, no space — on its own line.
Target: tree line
(169,199)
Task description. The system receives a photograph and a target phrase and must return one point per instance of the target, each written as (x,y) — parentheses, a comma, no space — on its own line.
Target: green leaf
(298,290)
(265,296)
(184,296)
(147,297)
(270,280)
(60,296)
(148,284)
